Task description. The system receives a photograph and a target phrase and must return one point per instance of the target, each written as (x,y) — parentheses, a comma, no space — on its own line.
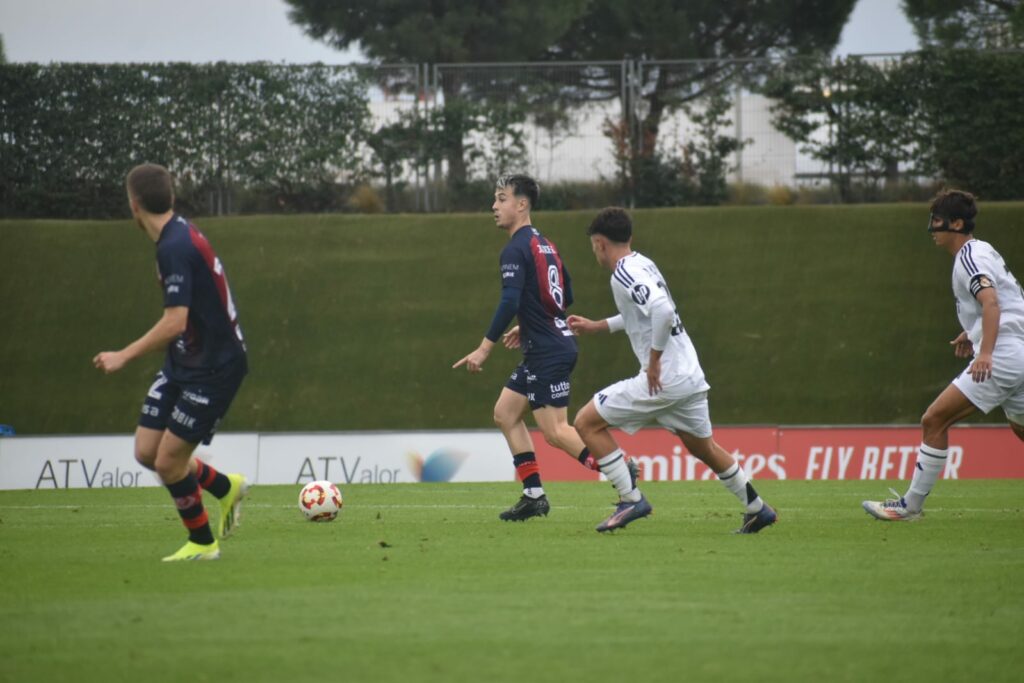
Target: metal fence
(565,121)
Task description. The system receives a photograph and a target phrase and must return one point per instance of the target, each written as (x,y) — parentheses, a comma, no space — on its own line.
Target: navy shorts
(543,382)
(189,410)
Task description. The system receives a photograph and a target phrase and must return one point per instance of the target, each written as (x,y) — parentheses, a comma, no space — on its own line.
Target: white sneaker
(892,510)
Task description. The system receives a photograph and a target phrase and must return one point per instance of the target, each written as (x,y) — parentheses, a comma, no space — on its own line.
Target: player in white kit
(990,307)
(670,389)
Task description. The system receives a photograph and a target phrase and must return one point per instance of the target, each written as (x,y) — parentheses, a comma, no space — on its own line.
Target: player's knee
(145,458)
(502,419)
(170,469)
(583,424)
(1018,429)
(932,422)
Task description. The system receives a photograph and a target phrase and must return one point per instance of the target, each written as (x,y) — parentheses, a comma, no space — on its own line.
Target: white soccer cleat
(892,510)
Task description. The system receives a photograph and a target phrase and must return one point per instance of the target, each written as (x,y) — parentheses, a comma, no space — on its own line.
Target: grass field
(423,583)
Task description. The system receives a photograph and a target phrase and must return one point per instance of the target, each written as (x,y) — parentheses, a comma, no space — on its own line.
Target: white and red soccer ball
(320,501)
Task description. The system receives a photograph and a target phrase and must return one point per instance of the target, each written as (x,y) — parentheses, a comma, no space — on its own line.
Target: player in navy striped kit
(537,288)
(204,367)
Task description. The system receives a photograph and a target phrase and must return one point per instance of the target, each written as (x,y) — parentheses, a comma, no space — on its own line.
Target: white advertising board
(54,462)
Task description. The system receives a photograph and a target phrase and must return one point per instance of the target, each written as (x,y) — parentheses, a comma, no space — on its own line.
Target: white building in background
(587,154)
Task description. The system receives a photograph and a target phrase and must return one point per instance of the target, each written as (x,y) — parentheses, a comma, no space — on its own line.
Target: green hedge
(70,132)
(800,314)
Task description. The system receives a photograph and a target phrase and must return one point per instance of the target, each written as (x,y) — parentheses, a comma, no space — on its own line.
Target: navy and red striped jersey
(531,263)
(191,275)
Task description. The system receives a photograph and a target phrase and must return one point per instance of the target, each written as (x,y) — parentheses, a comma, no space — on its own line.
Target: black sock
(527,469)
(212,480)
(584,454)
(189,501)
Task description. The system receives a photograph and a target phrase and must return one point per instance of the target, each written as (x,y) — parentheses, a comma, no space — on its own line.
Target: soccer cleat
(195,551)
(626,512)
(755,521)
(892,510)
(525,508)
(231,506)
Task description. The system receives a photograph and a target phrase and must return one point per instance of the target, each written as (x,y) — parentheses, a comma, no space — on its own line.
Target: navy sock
(189,501)
(527,469)
(212,480)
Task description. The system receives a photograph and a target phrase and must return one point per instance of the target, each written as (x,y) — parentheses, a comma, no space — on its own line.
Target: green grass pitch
(424,583)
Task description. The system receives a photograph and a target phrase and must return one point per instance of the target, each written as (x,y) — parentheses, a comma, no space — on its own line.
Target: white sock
(736,480)
(930,463)
(533,492)
(614,467)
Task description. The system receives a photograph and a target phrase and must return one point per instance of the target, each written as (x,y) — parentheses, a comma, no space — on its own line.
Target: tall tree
(967,23)
(3,55)
(699,30)
(440,31)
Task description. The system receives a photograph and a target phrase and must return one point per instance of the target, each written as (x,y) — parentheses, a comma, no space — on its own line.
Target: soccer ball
(320,501)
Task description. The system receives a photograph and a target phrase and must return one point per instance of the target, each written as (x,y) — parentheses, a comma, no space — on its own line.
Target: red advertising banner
(825,453)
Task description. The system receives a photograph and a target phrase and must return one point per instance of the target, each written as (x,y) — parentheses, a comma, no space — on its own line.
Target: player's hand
(474,362)
(962,346)
(580,325)
(654,375)
(108,361)
(981,368)
(511,338)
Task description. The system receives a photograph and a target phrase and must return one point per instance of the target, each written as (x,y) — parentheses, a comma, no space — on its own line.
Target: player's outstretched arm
(171,324)
(474,361)
(580,325)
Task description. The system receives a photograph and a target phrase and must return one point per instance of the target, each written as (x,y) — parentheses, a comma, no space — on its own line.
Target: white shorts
(1006,385)
(628,405)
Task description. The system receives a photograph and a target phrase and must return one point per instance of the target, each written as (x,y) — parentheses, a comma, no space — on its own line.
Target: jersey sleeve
(176,276)
(978,270)
(513,267)
(640,289)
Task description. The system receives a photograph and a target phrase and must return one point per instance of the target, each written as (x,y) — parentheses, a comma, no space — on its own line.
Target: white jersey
(978,265)
(637,284)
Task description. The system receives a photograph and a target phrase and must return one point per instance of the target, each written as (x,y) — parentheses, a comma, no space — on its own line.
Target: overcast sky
(251,30)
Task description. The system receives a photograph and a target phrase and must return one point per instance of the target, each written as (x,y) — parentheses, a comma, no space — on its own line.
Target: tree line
(271,138)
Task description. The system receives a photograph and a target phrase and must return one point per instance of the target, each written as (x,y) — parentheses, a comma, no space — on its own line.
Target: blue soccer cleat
(626,512)
(755,521)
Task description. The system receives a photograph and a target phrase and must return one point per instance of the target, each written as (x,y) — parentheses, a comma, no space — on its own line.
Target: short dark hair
(614,223)
(953,204)
(152,187)
(522,186)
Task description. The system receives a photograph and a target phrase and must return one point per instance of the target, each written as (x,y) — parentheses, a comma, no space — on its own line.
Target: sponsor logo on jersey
(183,418)
(545,249)
(193,397)
(640,294)
(174,279)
